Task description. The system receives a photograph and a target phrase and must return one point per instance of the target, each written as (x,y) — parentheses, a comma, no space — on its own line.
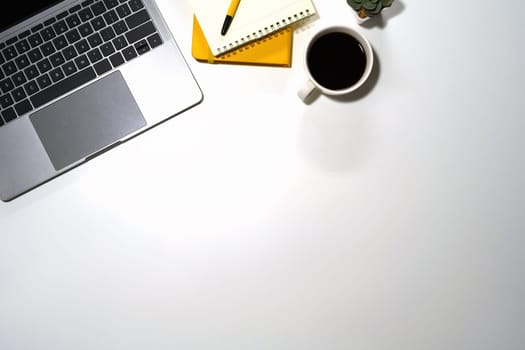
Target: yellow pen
(229,16)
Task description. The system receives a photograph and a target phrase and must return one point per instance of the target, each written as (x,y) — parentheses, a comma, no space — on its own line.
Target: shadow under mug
(338,60)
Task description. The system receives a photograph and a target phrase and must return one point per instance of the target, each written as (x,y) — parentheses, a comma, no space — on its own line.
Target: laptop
(78,78)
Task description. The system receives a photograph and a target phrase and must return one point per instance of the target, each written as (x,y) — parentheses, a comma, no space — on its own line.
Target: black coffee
(336,60)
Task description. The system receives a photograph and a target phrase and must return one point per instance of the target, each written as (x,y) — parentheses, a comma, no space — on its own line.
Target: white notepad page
(254,19)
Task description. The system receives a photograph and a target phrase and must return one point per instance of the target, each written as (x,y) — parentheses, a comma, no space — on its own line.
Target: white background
(389,219)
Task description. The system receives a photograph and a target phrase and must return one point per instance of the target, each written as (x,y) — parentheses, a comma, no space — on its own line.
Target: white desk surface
(391,219)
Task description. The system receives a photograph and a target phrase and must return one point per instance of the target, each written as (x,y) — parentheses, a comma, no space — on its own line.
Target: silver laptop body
(143,81)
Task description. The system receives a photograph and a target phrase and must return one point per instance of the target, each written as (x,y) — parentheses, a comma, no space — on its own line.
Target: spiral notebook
(272,50)
(253,20)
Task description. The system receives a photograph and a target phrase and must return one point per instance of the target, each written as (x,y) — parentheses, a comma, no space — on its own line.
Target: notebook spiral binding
(251,44)
(265,31)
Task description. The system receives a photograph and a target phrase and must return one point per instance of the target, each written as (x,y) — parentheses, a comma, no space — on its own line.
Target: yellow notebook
(272,50)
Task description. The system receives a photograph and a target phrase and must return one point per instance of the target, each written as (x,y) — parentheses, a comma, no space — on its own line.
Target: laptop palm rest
(88,120)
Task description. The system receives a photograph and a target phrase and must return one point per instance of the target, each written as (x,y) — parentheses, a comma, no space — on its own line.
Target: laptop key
(123,10)
(6,85)
(82,46)
(62,14)
(23,107)
(22,61)
(31,88)
(110,3)
(47,33)
(60,27)
(37,28)
(63,86)
(10,53)
(6,100)
(107,33)
(69,53)
(44,65)
(60,42)
(116,59)
(73,20)
(50,21)
(43,81)
(31,72)
(129,53)
(11,41)
(22,46)
(19,78)
(85,14)
(57,59)
(142,47)
(73,36)
(94,55)
(85,29)
(107,49)
(34,55)
(94,39)
(47,49)
(120,27)
(137,19)
(18,94)
(98,8)
(9,114)
(140,32)
(111,17)
(102,66)
(120,42)
(82,61)
(98,23)
(154,40)
(136,5)
(9,68)
(75,8)
(24,34)
(35,40)
(56,74)
(69,68)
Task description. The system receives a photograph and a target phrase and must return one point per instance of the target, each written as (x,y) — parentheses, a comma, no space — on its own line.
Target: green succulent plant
(369,8)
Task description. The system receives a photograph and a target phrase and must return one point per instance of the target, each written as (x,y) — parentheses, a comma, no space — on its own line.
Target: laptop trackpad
(88,120)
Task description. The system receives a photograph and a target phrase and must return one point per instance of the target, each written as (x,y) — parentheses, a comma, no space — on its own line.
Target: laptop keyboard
(69,50)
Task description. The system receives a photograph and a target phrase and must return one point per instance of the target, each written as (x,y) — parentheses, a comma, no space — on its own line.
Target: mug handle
(306,90)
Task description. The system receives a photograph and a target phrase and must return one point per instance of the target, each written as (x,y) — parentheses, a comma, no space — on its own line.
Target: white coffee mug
(338,60)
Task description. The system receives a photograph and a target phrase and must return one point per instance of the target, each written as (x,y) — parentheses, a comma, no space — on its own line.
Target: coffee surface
(336,60)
